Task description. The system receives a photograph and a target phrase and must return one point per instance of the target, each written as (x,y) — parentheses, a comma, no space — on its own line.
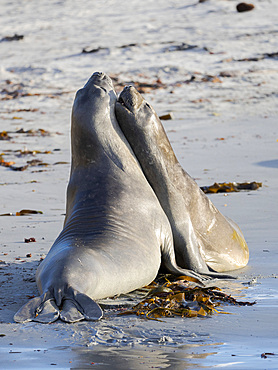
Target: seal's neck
(96,138)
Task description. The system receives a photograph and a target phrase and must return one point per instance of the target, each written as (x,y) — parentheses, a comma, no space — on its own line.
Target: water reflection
(183,357)
(187,356)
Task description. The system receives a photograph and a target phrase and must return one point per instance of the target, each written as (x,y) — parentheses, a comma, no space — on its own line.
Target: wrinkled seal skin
(203,237)
(115,232)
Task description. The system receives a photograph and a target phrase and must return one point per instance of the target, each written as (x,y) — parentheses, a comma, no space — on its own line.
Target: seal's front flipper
(189,256)
(38,309)
(169,262)
(203,277)
(219,275)
(81,307)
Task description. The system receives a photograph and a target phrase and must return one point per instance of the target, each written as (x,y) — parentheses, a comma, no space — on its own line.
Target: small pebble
(167,116)
(29,240)
(244,7)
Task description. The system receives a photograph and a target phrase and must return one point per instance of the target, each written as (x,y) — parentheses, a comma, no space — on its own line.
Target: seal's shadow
(271,164)
(17,282)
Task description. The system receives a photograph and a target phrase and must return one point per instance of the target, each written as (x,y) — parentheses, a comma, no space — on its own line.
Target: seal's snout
(99,75)
(103,77)
(100,79)
(130,98)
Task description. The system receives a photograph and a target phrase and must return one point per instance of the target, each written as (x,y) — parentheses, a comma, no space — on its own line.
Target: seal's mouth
(125,98)
(122,101)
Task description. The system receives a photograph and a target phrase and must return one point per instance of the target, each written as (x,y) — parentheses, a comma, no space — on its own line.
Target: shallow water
(236,341)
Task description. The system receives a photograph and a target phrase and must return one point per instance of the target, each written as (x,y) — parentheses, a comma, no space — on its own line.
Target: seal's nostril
(99,74)
(127,87)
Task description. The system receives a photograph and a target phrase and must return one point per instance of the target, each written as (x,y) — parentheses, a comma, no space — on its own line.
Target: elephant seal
(115,232)
(203,237)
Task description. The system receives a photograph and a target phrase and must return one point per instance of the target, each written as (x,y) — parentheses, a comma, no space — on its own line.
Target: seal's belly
(98,259)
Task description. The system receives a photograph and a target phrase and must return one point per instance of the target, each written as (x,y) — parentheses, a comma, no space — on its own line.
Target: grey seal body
(203,237)
(115,232)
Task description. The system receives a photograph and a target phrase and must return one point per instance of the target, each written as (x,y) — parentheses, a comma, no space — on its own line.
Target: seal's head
(93,115)
(143,128)
(94,98)
(131,99)
(131,106)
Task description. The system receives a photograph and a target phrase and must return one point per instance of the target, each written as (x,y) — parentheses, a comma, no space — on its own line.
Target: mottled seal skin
(203,237)
(115,233)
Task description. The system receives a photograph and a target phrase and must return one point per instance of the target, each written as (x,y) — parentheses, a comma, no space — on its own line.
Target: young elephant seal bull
(202,235)
(115,232)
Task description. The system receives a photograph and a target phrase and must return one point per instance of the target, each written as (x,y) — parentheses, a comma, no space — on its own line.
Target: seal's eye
(103,88)
(147,104)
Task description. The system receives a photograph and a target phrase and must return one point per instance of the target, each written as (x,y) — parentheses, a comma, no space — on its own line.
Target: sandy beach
(216,71)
